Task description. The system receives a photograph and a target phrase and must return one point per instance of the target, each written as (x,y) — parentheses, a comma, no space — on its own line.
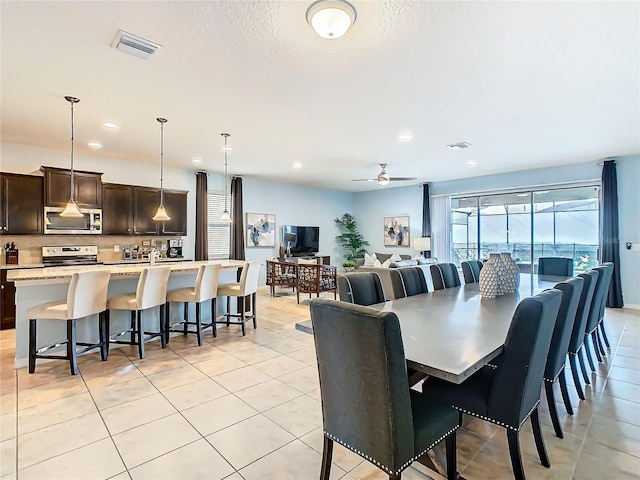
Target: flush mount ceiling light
(94,145)
(109,125)
(161,215)
(331,18)
(71,209)
(471,163)
(197,161)
(405,137)
(459,145)
(297,165)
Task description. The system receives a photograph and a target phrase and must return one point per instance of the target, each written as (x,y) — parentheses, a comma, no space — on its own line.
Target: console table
(304,278)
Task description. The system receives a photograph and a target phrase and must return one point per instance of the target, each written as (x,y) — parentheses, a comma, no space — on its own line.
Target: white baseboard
(632,306)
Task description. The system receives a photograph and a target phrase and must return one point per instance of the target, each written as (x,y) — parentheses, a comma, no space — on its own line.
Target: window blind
(219,232)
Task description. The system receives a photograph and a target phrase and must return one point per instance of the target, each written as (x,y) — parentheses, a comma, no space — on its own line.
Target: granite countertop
(59,273)
(27,265)
(146,260)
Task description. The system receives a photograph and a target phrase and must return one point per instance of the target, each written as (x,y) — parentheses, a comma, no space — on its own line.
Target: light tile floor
(249,408)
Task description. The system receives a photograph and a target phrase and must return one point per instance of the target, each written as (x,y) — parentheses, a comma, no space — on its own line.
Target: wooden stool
(87,295)
(248,285)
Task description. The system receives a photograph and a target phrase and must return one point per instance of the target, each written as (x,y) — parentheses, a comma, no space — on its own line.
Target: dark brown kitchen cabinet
(7,302)
(21,207)
(175,202)
(117,209)
(145,205)
(57,187)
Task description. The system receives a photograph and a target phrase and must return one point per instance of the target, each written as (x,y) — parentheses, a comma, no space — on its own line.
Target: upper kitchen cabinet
(145,204)
(21,207)
(57,187)
(175,202)
(117,209)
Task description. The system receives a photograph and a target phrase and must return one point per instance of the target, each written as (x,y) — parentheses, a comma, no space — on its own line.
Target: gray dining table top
(451,333)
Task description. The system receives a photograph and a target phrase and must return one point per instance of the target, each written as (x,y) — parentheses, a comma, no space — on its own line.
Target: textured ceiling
(528,84)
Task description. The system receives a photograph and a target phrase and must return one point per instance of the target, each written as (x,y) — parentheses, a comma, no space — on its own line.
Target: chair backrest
(471,271)
(397,284)
(444,275)
(361,288)
(363,381)
(207,282)
(413,281)
(87,293)
(249,278)
(571,291)
(152,287)
(515,390)
(599,294)
(559,266)
(610,266)
(584,305)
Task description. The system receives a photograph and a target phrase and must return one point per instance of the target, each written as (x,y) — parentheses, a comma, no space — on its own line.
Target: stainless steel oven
(89,224)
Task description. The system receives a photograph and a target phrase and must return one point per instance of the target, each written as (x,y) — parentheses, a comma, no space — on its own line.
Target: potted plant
(350,238)
(349,266)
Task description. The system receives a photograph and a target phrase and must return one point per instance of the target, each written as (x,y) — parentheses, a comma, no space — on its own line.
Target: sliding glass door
(529,225)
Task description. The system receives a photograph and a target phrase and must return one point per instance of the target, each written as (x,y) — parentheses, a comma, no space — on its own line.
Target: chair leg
(140,334)
(228,310)
(565,393)
(586,349)
(576,377)
(198,324)
(551,402)
(161,323)
(603,352)
(107,329)
(604,334)
(71,346)
(514,452)
(452,462)
(537,435)
(395,477)
(104,337)
(133,328)
(185,316)
(327,453)
(253,310)
(595,342)
(583,367)
(214,313)
(242,317)
(166,321)
(32,344)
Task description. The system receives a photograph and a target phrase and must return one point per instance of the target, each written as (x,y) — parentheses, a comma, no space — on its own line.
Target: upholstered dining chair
(611,266)
(247,286)
(151,292)
(558,266)
(593,320)
(367,405)
(576,341)
(444,275)
(510,393)
(361,288)
(86,296)
(412,281)
(554,369)
(205,288)
(471,271)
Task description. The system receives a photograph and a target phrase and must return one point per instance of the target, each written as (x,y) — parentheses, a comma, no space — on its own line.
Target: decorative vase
(281,250)
(510,274)
(490,284)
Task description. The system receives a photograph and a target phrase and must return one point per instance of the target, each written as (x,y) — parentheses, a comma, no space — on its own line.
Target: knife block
(11,257)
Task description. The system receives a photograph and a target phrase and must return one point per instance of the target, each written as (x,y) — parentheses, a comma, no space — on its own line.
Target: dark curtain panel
(426,214)
(610,242)
(237,225)
(202,238)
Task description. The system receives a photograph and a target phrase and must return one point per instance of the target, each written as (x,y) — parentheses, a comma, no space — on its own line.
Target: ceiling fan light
(71,210)
(331,18)
(161,215)
(383,179)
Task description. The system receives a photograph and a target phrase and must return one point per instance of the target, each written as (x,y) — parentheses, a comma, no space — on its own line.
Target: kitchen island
(35,286)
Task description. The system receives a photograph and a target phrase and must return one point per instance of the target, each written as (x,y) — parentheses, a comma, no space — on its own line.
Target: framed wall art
(261,229)
(396,231)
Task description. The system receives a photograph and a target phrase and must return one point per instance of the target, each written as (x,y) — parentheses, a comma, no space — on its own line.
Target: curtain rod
(498,191)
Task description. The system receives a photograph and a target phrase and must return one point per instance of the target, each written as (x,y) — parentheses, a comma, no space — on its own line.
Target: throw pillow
(386,263)
(395,257)
(369,260)
(307,261)
(404,263)
(376,263)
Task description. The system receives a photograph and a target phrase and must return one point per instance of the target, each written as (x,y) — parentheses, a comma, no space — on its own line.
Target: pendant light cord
(72,100)
(226,177)
(162,122)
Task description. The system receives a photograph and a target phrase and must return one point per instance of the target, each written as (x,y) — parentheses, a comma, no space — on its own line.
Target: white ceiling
(528,84)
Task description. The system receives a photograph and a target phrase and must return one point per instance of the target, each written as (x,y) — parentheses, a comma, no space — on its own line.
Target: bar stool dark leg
(565,392)
(186,318)
(198,324)
(551,402)
(32,344)
(166,322)
(576,377)
(583,367)
(107,329)
(133,328)
(162,321)
(104,337)
(213,317)
(228,310)
(138,315)
(243,319)
(71,346)
(253,309)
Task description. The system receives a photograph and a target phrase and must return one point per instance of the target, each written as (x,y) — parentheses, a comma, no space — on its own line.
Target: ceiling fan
(384,178)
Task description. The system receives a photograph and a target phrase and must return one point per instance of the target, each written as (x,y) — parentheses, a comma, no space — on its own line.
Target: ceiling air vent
(459,146)
(133,45)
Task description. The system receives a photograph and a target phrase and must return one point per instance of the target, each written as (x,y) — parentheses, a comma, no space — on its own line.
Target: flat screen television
(301,240)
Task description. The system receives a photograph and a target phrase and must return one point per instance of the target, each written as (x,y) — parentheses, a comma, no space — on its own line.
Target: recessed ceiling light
(296,165)
(197,160)
(109,125)
(459,145)
(471,163)
(405,137)
(94,145)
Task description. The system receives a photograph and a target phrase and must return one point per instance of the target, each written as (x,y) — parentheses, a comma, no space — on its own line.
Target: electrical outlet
(116,248)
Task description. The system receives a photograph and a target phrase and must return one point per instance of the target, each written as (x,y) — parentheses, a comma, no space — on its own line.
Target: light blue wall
(370,207)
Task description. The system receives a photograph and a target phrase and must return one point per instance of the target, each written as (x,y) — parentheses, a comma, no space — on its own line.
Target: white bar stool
(206,288)
(150,292)
(87,295)
(248,285)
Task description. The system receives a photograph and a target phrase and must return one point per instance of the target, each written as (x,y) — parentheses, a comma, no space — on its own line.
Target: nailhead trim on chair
(383,467)
(497,422)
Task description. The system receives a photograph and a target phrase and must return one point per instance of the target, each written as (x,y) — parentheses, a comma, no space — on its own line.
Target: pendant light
(71,209)
(226,217)
(161,214)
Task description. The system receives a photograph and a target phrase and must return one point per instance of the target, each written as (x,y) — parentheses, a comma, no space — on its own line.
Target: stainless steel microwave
(89,224)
